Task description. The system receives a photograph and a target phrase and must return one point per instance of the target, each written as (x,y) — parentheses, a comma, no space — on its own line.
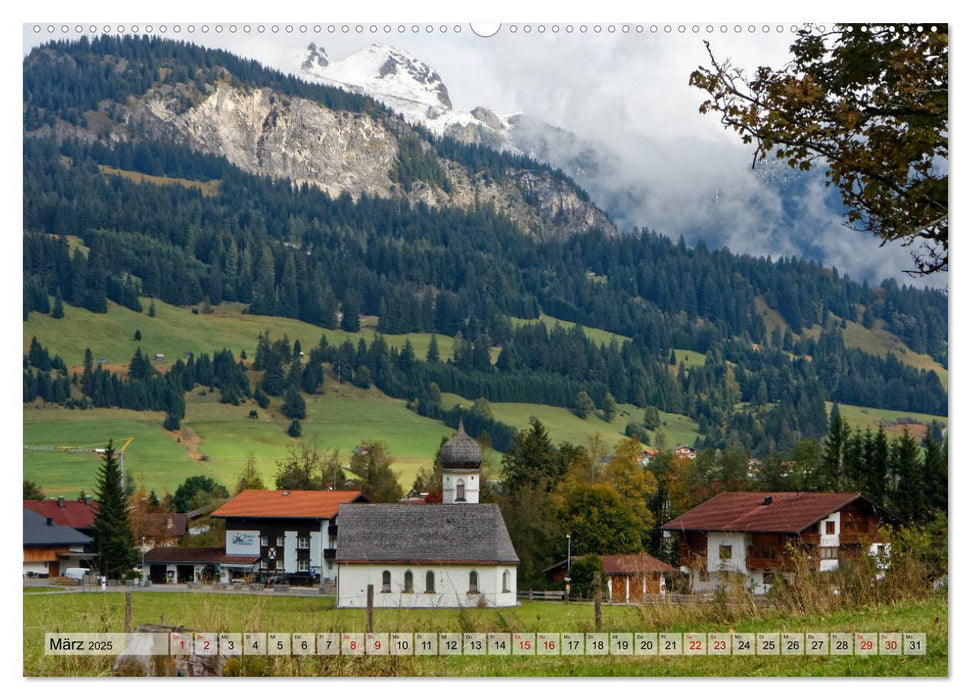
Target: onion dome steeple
(460,451)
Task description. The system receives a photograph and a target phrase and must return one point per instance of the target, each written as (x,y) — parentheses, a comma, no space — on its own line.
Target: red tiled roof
(634,564)
(285,504)
(746,511)
(76,514)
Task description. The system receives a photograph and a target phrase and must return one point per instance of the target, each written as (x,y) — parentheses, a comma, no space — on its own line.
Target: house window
(279,541)
(828,552)
(303,543)
(409,582)
(264,541)
(473,582)
(830,527)
(330,564)
(725,552)
(303,565)
(385,581)
(430,582)
(505,581)
(460,491)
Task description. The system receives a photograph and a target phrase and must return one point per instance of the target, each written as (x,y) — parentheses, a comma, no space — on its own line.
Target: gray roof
(461,451)
(38,533)
(446,534)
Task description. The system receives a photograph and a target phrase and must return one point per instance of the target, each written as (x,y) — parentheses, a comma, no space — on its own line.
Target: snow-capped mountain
(416,90)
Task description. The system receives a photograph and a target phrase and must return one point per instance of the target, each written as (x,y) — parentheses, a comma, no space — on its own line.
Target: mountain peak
(388,73)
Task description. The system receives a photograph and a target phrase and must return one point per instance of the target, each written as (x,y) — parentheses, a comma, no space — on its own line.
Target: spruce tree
(831,468)
(432,355)
(113,542)
(151,309)
(58,311)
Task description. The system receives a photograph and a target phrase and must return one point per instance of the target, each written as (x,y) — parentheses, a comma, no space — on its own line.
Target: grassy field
(876,340)
(564,425)
(158,460)
(863,418)
(176,330)
(209,188)
(216,438)
(208,612)
(597,335)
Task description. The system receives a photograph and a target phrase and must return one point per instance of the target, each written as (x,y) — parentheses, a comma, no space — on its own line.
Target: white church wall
(451,586)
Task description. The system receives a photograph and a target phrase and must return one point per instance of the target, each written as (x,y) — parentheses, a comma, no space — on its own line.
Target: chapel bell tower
(461,458)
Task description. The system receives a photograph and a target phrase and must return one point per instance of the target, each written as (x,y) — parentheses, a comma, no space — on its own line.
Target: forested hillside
(294,250)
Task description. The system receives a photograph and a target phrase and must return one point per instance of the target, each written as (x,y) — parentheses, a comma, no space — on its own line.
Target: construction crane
(75,449)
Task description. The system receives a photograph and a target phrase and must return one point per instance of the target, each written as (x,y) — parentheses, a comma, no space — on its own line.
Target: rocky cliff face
(280,136)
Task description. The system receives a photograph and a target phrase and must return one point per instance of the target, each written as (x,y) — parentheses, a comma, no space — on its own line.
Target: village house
(631,578)
(685,452)
(271,533)
(454,554)
(49,548)
(749,533)
(78,514)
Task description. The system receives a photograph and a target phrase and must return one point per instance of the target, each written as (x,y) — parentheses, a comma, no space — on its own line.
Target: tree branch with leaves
(871,103)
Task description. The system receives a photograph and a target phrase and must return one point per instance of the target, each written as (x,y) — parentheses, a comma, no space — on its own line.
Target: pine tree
(58,311)
(831,467)
(113,540)
(295,430)
(934,475)
(906,493)
(151,309)
(432,355)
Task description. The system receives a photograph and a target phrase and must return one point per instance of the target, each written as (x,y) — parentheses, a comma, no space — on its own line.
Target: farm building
(749,533)
(284,533)
(630,577)
(454,554)
(50,548)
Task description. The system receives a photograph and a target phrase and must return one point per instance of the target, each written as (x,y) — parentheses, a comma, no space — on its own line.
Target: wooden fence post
(597,617)
(370,607)
(127,611)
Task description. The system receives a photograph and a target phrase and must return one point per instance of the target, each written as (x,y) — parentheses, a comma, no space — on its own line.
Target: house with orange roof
(289,534)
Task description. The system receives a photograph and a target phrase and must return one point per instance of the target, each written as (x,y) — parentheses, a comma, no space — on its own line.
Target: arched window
(460,491)
(385,581)
(473,582)
(409,582)
(505,581)
(430,582)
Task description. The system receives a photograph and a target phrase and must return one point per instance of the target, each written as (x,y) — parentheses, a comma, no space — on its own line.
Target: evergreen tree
(151,309)
(934,475)
(432,355)
(831,475)
(112,536)
(296,429)
(58,311)
(138,335)
(293,404)
(907,494)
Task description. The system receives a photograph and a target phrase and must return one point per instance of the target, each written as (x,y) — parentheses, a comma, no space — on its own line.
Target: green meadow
(564,425)
(176,330)
(215,612)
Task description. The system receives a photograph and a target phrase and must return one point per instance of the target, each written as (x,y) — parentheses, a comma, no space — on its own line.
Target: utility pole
(568,579)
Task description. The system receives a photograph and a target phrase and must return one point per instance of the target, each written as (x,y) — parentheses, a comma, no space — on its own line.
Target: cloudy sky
(681,173)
